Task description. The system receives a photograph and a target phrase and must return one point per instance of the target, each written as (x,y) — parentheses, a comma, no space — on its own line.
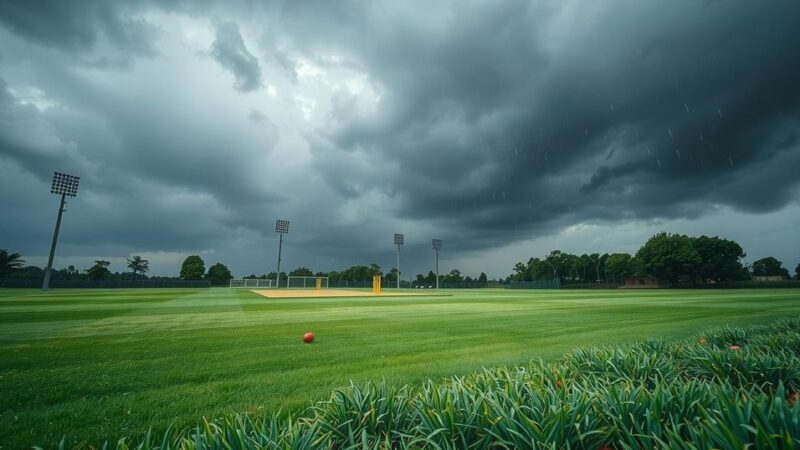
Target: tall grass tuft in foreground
(726,388)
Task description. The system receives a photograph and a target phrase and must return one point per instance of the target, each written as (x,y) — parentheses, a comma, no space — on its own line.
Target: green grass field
(95,364)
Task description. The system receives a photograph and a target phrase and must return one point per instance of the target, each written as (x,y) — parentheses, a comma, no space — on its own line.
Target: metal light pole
(64,185)
(398,241)
(281,227)
(437,245)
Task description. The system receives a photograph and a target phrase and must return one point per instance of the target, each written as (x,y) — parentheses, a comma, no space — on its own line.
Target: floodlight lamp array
(398,239)
(64,184)
(437,244)
(281,226)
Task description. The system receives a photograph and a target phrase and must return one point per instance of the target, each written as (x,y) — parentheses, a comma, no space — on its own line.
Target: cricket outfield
(92,364)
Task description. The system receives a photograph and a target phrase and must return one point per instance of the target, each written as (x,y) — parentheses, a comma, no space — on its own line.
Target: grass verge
(725,388)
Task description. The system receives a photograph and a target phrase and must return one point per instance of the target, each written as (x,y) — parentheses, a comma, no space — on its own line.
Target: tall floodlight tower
(398,241)
(281,227)
(63,185)
(437,245)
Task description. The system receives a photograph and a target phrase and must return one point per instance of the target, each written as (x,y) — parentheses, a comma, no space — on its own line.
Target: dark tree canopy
(99,271)
(193,268)
(769,267)
(621,265)
(301,272)
(720,259)
(138,265)
(356,273)
(219,274)
(668,256)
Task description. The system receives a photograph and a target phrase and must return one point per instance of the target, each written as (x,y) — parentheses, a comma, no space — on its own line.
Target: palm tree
(10,263)
(137,264)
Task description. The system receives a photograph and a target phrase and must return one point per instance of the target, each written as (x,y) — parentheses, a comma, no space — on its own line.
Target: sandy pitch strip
(306,293)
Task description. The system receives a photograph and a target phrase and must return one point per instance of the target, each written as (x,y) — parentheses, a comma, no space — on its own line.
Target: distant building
(640,282)
(768,278)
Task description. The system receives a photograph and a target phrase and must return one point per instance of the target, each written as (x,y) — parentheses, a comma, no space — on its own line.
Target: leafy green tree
(596,261)
(720,259)
(375,269)
(453,277)
(355,273)
(538,270)
(138,265)
(431,278)
(9,263)
(193,268)
(769,267)
(797,272)
(520,272)
(99,271)
(219,274)
(272,276)
(554,260)
(301,272)
(483,280)
(668,256)
(620,265)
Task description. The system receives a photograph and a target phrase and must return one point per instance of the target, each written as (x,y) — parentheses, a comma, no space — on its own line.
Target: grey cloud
(685,116)
(78,28)
(495,123)
(231,53)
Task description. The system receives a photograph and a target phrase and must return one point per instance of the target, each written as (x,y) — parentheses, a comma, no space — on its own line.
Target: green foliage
(10,263)
(193,268)
(219,274)
(301,272)
(720,259)
(797,272)
(769,267)
(622,265)
(99,271)
(453,277)
(355,273)
(688,395)
(138,265)
(668,256)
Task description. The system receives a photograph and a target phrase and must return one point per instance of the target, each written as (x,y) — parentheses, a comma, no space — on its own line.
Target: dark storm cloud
(231,53)
(649,111)
(489,123)
(79,27)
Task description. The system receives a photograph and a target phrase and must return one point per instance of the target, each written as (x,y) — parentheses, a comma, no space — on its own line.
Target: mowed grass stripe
(175,355)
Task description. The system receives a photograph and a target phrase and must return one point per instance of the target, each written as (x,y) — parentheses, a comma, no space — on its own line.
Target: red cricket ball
(735,348)
(308,337)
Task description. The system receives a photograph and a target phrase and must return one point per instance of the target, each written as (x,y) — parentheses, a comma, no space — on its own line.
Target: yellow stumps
(376,285)
(319,284)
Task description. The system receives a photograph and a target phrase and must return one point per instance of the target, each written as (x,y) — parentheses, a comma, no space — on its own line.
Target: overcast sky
(507,129)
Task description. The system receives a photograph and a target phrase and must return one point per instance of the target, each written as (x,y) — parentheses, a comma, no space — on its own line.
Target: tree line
(672,258)
(676,259)
(13,266)
(193,268)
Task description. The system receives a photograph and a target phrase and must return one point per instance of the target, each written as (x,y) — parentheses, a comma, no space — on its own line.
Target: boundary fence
(537,284)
